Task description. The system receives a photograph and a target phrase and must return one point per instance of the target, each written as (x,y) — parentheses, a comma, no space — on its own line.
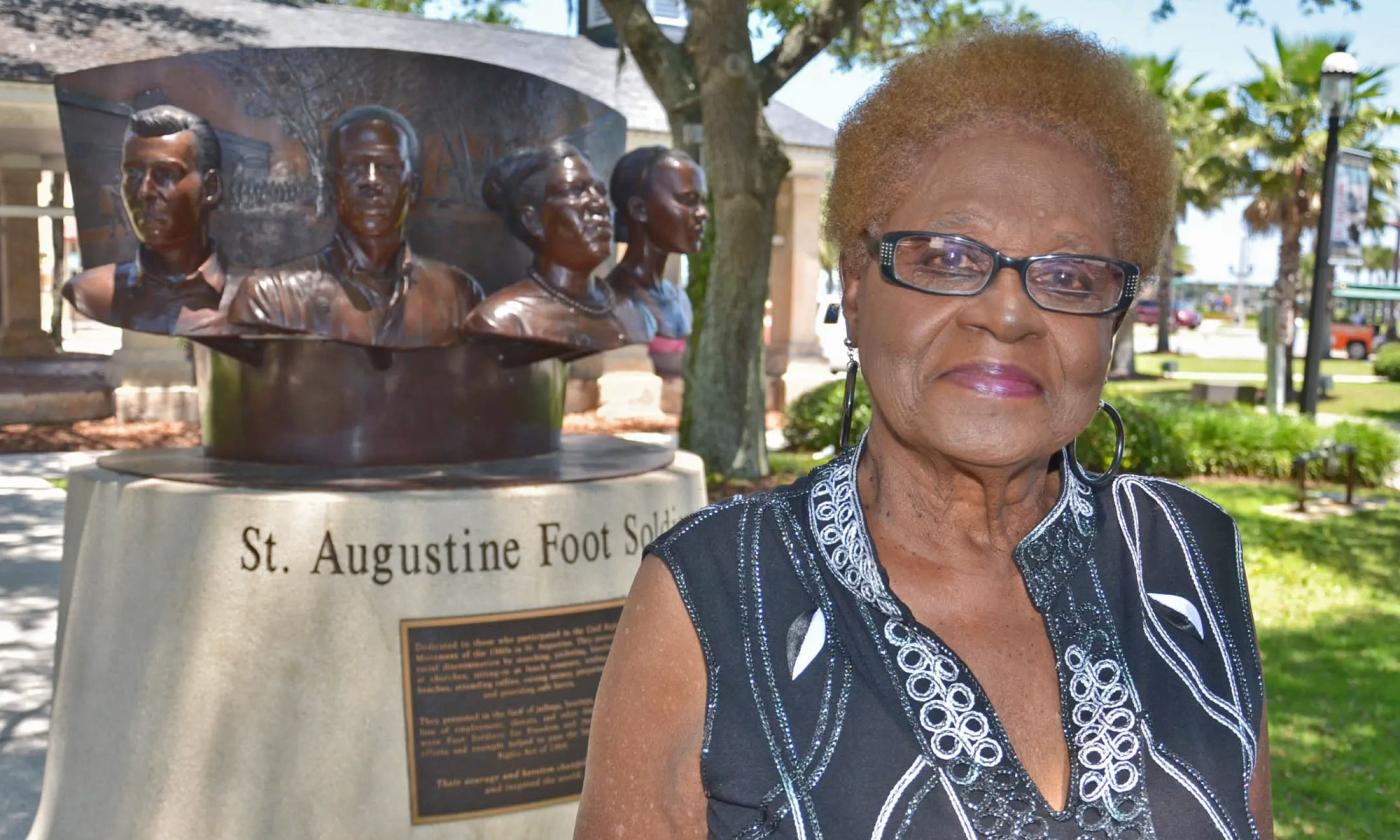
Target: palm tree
(1378,261)
(1209,160)
(1283,119)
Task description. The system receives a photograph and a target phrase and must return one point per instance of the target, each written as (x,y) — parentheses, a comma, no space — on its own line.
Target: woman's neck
(572,282)
(918,500)
(641,266)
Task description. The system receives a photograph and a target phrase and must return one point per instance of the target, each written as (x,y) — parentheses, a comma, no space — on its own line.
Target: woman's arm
(1261,796)
(643,773)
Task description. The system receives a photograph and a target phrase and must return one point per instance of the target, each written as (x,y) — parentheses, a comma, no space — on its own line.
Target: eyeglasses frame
(883,249)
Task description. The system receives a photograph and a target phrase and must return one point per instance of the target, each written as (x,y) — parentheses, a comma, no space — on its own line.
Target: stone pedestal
(219,676)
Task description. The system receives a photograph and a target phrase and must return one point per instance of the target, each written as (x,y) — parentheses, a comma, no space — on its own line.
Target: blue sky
(1204,34)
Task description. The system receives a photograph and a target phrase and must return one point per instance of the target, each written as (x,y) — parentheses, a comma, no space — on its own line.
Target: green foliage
(1171,438)
(1244,9)
(1178,438)
(1281,116)
(881,31)
(1210,162)
(1388,362)
(814,419)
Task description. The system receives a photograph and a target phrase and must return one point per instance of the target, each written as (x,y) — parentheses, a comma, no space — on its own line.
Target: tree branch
(804,42)
(663,63)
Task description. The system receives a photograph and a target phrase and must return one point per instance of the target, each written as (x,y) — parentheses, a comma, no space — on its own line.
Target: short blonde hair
(1007,75)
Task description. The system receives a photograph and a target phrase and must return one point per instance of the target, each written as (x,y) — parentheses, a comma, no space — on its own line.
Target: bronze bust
(367,286)
(170,183)
(554,201)
(660,198)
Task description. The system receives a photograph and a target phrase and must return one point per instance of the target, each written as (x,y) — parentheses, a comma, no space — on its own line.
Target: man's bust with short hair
(170,184)
(366,286)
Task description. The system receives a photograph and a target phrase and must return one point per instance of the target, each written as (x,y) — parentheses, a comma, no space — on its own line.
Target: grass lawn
(1375,401)
(1326,600)
(1327,605)
(1151,365)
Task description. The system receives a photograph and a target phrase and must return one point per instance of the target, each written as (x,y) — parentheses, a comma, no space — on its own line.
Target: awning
(1367,292)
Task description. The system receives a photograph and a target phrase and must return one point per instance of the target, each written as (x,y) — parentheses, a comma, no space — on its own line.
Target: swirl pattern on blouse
(957,723)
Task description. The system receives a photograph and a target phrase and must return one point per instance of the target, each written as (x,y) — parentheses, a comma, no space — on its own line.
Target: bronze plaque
(498,707)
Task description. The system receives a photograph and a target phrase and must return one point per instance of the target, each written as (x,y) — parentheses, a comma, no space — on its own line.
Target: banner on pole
(1350,196)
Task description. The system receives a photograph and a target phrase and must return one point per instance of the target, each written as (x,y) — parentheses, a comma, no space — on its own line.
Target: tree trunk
(745,165)
(1124,364)
(1166,311)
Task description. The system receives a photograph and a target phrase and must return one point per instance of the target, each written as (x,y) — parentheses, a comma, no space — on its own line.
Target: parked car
(1184,316)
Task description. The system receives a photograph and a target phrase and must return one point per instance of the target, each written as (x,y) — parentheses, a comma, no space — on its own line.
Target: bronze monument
(366,286)
(170,183)
(351,234)
(554,201)
(660,198)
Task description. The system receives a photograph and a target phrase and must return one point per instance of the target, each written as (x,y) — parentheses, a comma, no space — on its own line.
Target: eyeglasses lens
(942,265)
(948,266)
(1075,284)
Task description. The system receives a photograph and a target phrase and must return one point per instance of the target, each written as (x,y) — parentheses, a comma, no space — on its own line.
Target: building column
(806,239)
(796,275)
(780,284)
(20,330)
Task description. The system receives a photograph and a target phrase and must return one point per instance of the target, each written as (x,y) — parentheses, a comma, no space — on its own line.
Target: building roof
(42,38)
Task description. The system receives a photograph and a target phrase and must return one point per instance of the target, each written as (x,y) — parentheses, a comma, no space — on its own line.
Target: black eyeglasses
(948,264)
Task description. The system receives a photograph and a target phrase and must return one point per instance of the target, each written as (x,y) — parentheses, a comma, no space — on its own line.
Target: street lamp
(1338,75)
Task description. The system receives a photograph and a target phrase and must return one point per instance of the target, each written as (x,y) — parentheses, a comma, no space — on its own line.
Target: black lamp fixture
(1339,72)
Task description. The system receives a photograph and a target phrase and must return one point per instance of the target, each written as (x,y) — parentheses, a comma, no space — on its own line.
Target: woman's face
(990,380)
(574,220)
(675,206)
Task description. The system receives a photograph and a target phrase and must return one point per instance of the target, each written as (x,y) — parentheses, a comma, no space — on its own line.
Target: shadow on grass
(1388,415)
(1364,547)
(1333,690)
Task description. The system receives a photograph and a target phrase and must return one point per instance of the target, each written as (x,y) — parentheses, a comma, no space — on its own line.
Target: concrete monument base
(232,662)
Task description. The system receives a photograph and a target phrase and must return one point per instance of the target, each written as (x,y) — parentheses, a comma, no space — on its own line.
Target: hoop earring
(848,399)
(1103,479)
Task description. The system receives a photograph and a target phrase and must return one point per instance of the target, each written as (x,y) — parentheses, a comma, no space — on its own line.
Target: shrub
(1178,439)
(1172,438)
(1377,449)
(1388,361)
(814,419)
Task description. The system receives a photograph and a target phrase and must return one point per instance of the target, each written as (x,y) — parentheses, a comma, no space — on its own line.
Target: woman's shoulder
(1136,496)
(721,525)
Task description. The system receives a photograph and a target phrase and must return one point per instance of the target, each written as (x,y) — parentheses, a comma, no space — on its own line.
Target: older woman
(554,201)
(952,629)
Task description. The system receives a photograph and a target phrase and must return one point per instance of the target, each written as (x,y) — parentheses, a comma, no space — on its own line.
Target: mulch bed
(95,434)
(111,434)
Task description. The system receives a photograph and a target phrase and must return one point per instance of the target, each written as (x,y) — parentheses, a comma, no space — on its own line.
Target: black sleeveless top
(832,713)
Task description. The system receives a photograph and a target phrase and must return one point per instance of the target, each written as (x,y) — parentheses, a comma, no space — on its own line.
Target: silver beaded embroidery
(990,785)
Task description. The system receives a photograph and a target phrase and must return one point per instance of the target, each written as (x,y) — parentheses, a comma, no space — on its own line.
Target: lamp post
(1338,74)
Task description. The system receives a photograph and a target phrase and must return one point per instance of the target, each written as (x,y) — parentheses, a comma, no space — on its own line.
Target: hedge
(1388,361)
(1165,437)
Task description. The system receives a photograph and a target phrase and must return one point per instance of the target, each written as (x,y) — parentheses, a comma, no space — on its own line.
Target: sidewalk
(31,545)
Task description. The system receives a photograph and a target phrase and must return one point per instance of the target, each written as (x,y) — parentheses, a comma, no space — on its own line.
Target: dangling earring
(848,399)
(1103,479)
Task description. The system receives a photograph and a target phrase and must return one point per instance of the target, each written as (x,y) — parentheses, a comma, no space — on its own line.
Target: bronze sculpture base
(579,458)
(323,403)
